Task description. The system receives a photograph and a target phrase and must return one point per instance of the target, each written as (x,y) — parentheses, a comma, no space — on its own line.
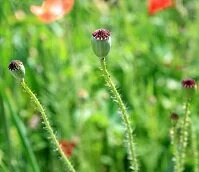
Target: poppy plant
(52,10)
(158,5)
(67,147)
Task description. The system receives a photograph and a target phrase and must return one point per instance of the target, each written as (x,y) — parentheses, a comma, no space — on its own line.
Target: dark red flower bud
(174,116)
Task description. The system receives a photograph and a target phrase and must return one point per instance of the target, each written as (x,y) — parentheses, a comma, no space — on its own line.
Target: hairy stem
(48,127)
(174,142)
(184,136)
(194,148)
(124,116)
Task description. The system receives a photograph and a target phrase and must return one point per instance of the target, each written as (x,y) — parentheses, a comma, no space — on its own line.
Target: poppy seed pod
(174,117)
(189,87)
(17,69)
(101,42)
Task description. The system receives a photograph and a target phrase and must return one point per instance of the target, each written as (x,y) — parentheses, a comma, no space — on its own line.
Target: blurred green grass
(149,58)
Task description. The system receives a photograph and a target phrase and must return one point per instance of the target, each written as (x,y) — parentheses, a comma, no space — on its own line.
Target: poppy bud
(174,117)
(101,42)
(189,86)
(17,69)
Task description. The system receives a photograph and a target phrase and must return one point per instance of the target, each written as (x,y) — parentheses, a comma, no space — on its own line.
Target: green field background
(150,56)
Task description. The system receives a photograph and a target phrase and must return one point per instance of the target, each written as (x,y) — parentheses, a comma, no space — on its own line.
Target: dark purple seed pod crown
(189,85)
(101,34)
(17,69)
(101,42)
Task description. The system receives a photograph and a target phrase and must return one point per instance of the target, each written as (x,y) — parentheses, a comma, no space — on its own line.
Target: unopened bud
(17,69)
(174,116)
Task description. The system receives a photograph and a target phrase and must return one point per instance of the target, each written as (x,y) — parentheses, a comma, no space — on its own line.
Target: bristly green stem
(124,116)
(184,135)
(194,148)
(48,127)
(174,142)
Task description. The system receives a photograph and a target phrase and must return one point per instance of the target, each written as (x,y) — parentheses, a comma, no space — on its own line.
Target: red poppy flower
(158,5)
(67,147)
(52,10)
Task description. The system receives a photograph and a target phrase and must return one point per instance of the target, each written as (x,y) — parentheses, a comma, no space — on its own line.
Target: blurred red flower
(67,147)
(52,10)
(158,5)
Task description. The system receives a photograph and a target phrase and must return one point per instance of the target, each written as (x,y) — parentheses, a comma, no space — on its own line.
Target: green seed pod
(101,42)
(189,87)
(17,69)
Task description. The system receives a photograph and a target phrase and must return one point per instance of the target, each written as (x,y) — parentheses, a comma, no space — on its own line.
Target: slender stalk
(174,142)
(194,148)
(5,124)
(48,127)
(23,136)
(3,167)
(184,135)
(124,116)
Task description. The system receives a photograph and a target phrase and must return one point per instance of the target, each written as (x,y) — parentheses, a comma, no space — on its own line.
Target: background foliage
(149,58)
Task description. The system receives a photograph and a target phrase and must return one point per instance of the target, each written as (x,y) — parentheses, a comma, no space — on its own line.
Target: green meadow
(149,58)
